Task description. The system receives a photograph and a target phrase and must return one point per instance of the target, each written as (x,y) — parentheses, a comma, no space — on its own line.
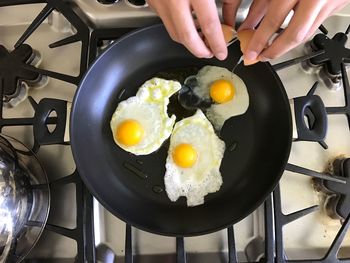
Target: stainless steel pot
(24,200)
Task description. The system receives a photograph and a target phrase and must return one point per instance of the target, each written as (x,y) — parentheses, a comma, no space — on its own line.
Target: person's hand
(270,15)
(178,20)
(265,15)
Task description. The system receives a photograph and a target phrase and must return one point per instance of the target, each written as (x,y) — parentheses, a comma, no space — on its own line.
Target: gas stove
(45,48)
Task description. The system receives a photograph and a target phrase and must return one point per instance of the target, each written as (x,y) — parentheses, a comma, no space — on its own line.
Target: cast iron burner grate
(274,219)
(337,180)
(12,71)
(338,204)
(335,51)
(327,57)
(16,66)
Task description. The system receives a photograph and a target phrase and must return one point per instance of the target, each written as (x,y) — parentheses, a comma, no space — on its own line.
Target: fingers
(170,28)
(322,16)
(186,31)
(319,20)
(304,17)
(165,17)
(178,20)
(229,11)
(268,27)
(209,22)
(256,12)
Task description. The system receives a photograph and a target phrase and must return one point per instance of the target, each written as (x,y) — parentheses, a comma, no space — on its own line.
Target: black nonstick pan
(131,187)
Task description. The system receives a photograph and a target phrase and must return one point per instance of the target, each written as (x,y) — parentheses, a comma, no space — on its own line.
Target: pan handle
(309,118)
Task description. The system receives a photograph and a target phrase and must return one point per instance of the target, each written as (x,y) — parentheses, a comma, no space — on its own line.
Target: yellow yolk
(129,132)
(184,155)
(222,91)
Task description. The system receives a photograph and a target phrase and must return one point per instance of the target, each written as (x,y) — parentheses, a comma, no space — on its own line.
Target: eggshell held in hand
(228,32)
(244,36)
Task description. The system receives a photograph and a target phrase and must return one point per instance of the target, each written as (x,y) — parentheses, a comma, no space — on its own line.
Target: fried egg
(141,124)
(226,90)
(194,159)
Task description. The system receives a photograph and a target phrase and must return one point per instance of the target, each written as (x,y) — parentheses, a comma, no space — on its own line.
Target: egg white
(149,108)
(204,176)
(219,113)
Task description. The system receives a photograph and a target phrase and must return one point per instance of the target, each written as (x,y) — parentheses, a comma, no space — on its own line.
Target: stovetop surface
(308,237)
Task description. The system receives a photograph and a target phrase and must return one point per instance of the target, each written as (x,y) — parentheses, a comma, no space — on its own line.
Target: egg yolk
(184,155)
(129,132)
(222,91)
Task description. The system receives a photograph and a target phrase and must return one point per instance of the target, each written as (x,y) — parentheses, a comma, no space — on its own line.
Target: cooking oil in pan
(232,147)
(179,74)
(157,189)
(133,169)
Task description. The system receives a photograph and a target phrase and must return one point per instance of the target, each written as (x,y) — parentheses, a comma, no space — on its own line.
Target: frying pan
(131,187)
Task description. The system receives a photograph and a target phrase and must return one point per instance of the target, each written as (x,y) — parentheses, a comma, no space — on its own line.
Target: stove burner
(330,61)
(338,201)
(14,78)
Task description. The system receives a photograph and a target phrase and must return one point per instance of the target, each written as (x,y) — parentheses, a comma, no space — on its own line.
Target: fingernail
(221,56)
(243,26)
(250,55)
(209,56)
